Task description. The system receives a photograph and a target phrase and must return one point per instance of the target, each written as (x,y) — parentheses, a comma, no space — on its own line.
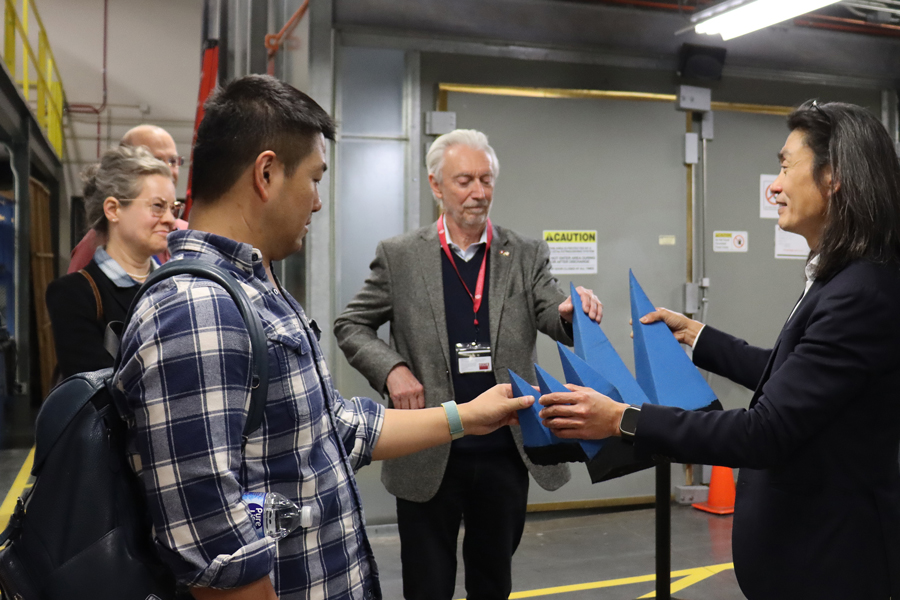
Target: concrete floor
(585,547)
(572,548)
(10,464)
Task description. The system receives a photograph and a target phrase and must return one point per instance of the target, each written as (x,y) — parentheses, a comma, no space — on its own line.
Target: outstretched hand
(582,413)
(492,410)
(589,302)
(684,329)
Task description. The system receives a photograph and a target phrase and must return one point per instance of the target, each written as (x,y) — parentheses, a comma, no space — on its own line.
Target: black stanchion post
(663,530)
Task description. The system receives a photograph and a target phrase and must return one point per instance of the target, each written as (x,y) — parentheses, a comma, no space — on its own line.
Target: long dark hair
(863,208)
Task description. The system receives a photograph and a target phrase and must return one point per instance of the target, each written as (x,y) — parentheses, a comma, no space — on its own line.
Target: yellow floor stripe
(690,577)
(18,486)
(697,575)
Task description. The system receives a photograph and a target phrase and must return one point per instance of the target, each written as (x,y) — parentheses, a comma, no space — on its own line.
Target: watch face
(630,417)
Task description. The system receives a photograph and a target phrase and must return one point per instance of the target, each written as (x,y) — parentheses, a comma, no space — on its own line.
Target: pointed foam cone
(721,493)
(616,457)
(589,338)
(580,373)
(594,348)
(534,434)
(548,384)
(661,367)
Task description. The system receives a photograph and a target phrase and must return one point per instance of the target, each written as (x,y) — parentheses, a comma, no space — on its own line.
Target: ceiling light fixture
(736,17)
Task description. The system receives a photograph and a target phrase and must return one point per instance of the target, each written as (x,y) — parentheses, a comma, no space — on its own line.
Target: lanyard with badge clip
(479,284)
(474,358)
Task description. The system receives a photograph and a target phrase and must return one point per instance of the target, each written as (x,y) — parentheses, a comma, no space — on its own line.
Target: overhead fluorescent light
(736,17)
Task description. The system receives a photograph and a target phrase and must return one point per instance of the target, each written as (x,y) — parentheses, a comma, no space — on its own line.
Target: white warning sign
(572,252)
(729,241)
(767,207)
(790,245)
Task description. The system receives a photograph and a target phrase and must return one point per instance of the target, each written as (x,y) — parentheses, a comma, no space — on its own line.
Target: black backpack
(82,532)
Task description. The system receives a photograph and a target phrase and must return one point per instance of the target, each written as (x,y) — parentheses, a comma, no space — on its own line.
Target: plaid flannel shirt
(184,386)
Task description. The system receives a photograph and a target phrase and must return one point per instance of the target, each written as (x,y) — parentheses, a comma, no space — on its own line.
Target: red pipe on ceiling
(849,25)
(662,4)
(649,4)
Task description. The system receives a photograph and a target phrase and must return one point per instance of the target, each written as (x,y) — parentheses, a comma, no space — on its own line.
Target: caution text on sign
(729,241)
(572,252)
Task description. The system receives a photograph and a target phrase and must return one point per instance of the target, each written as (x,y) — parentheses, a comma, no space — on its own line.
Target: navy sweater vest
(461,329)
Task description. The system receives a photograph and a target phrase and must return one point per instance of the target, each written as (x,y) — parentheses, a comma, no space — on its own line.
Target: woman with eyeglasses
(817,513)
(130,201)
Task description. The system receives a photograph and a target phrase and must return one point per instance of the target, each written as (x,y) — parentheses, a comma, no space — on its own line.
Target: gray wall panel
(370,202)
(613,166)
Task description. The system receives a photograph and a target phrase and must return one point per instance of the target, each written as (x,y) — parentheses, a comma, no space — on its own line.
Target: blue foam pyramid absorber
(541,446)
(589,338)
(594,348)
(548,384)
(534,434)
(580,373)
(616,458)
(662,368)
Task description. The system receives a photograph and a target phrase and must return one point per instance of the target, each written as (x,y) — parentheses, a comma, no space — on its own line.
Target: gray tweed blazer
(405,288)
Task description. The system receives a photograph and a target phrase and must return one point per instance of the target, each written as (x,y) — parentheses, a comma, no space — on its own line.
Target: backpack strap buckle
(14,528)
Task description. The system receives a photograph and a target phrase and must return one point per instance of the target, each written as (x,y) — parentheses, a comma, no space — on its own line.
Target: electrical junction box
(693,98)
(691,149)
(439,122)
(692,298)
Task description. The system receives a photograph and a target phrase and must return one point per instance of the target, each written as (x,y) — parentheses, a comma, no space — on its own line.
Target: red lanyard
(479,285)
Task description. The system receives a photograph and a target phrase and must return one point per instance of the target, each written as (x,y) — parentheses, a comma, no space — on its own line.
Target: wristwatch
(454,420)
(628,424)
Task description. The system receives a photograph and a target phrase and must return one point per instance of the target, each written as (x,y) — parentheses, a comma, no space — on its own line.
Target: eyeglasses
(173,161)
(821,111)
(159,206)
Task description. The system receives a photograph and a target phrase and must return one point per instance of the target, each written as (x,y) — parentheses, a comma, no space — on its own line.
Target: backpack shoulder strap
(97,298)
(259,351)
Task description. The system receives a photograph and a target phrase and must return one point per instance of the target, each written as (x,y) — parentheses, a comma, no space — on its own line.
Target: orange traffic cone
(721,493)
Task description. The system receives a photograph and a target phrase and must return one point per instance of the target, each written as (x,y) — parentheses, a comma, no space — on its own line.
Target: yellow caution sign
(572,252)
(570,237)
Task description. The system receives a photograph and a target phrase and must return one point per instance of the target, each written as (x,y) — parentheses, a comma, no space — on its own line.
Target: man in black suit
(817,513)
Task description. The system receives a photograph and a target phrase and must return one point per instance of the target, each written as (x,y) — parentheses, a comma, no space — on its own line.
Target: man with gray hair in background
(465,300)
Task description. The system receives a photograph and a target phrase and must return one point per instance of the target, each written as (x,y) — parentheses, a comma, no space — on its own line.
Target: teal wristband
(453,419)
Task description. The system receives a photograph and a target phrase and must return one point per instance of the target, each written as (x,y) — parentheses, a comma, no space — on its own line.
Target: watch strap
(454,420)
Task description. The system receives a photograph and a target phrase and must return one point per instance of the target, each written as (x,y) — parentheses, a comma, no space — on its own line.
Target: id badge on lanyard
(473,358)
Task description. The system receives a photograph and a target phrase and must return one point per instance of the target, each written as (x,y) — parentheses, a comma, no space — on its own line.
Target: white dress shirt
(470,252)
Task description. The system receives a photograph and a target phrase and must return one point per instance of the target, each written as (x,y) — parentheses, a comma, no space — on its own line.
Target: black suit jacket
(73,315)
(817,513)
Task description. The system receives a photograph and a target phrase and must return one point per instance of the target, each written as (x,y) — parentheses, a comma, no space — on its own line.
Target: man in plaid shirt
(185,378)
